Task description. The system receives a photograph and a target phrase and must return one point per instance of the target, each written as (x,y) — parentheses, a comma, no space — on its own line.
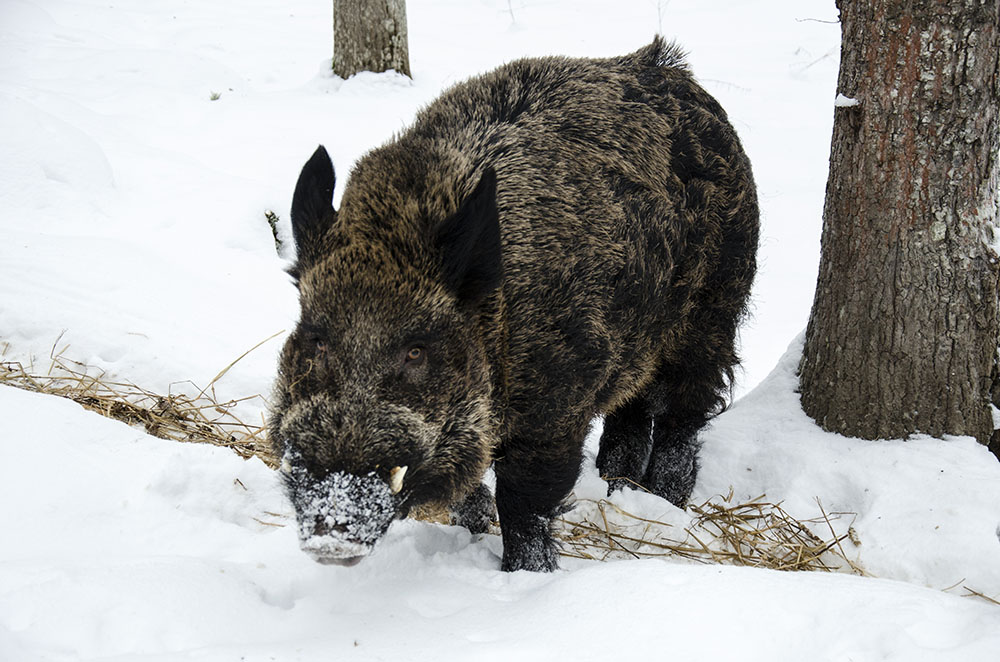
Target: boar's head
(383,398)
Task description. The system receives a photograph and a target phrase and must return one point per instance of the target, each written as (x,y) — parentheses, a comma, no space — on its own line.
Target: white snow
(844,101)
(132,219)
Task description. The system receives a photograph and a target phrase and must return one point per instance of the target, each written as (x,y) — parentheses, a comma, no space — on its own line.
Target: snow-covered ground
(132,219)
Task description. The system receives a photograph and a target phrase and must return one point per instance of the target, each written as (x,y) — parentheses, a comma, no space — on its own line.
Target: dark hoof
(539,559)
(531,549)
(672,477)
(618,484)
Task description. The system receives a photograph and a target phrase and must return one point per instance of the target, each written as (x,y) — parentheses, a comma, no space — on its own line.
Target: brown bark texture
(904,328)
(369,35)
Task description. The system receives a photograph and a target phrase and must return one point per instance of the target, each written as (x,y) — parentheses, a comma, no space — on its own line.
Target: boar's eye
(316,343)
(415,357)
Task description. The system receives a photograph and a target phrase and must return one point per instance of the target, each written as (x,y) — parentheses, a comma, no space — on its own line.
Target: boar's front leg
(476,511)
(532,483)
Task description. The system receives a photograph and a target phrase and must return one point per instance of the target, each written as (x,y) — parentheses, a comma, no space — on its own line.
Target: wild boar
(553,241)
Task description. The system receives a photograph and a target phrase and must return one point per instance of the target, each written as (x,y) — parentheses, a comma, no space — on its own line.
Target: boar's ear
(312,208)
(469,243)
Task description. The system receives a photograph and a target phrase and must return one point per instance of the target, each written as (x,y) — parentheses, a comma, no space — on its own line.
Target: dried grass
(180,417)
(972,593)
(756,533)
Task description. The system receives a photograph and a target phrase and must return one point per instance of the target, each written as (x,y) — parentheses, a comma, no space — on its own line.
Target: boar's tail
(660,53)
(662,72)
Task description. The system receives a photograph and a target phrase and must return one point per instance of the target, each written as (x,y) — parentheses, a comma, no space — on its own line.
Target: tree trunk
(904,328)
(369,35)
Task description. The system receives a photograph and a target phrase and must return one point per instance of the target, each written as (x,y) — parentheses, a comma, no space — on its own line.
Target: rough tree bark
(904,328)
(369,35)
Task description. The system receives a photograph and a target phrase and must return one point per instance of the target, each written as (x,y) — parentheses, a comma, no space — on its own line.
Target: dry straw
(177,416)
(755,533)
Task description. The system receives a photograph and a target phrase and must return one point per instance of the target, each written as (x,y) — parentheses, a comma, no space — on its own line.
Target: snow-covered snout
(341,516)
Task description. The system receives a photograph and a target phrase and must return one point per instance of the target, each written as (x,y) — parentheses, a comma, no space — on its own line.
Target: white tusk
(396,479)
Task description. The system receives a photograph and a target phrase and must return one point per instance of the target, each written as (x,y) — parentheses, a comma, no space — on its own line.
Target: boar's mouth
(341,516)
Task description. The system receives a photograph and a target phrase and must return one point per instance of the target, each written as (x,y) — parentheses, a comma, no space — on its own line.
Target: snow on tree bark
(903,333)
(369,35)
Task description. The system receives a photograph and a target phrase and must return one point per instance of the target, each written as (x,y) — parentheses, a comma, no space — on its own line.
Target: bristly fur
(554,240)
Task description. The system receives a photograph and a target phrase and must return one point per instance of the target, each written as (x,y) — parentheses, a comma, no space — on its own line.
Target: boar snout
(341,516)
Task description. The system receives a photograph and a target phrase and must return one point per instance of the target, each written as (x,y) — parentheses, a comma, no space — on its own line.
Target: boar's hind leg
(682,400)
(531,487)
(673,466)
(625,445)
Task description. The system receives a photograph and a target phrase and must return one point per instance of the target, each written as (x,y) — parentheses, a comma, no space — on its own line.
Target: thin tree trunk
(904,328)
(369,35)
